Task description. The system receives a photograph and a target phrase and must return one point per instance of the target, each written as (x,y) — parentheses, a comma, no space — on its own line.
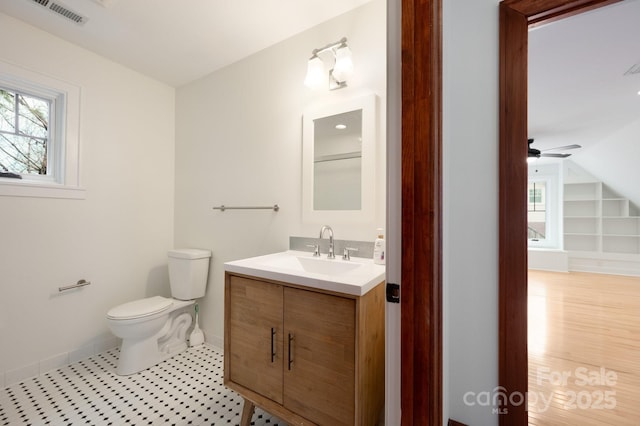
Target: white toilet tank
(188,271)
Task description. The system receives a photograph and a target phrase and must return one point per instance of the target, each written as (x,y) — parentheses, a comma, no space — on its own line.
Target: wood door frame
(516,16)
(421,270)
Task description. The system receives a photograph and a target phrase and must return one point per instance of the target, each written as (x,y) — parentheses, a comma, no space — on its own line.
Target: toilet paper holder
(80,283)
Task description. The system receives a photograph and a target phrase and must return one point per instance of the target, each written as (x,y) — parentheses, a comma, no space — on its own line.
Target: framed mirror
(338,162)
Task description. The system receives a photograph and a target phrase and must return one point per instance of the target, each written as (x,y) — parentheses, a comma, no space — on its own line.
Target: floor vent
(61,10)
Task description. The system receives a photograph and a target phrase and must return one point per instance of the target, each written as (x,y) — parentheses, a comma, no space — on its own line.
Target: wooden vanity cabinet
(306,356)
(255,325)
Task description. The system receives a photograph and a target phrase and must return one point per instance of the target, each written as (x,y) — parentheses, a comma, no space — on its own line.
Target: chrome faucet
(330,255)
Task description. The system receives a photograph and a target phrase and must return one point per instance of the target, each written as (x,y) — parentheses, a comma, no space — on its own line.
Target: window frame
(64,179)
(553,211)
(538,194)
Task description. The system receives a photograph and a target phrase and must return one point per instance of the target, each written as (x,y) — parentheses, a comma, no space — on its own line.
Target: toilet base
(138,355)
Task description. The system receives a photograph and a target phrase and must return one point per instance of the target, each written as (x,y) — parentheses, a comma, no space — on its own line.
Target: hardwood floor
(584,349)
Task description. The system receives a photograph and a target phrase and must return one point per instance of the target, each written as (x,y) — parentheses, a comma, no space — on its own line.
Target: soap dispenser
(379,248)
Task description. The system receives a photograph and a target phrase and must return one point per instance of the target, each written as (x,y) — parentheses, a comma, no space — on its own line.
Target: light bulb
(315,73)
(343,68)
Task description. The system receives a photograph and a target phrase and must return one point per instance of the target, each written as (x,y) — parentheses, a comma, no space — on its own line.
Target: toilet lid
(139,308)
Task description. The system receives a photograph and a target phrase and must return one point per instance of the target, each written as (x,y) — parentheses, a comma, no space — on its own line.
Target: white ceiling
(578,92)
(178,41)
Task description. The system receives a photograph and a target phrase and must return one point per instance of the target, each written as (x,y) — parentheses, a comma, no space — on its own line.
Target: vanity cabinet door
(255,336)
(319,365)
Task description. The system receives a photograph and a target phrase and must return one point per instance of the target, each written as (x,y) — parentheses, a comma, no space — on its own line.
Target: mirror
(339,161)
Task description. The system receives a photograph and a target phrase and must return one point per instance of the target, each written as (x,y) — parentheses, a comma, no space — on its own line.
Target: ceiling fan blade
(555,155)
(563,148)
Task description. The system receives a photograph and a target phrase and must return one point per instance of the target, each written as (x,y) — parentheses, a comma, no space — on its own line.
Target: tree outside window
(24,133)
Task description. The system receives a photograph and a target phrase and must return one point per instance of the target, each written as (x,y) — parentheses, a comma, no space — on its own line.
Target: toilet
(155,328)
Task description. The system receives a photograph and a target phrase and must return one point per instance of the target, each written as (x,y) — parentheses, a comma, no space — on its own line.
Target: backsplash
(365,248)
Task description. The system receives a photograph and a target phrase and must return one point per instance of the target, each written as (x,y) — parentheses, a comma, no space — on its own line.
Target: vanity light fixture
(315,73)
(341,126)
(339,55)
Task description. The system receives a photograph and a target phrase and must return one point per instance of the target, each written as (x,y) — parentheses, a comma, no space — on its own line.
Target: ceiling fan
(536,153)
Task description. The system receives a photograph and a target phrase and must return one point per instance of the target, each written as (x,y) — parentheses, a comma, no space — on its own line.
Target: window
(39,135)
(544,208)
(535,195)
(24,133)
(537,211)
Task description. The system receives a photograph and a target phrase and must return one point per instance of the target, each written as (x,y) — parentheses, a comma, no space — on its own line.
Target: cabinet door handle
(273,352)
(289,350)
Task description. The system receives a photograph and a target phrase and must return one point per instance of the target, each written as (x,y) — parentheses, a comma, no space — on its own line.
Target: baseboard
(601,264)
(17,375)
(455,423)
(548,260)
(216,342)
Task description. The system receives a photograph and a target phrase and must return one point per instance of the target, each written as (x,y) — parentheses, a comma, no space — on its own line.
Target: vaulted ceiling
(177,41)
(584,76)
(584,71)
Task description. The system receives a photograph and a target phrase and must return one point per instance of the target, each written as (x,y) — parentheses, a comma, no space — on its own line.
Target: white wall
(470,151)
(233,147)
(116,238)
(239,142)
(614,161)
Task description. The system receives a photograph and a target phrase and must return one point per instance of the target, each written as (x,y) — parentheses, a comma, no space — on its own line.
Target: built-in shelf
(583,242)
(580,225)
(582,191)
(598,220)
(615,207)
(620,244)
(621,225)
(581,208)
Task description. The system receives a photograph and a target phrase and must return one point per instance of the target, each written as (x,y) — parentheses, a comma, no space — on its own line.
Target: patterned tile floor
(184,390)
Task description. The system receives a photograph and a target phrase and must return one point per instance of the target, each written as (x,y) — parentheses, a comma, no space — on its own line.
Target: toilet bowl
(155,328)
(152,330)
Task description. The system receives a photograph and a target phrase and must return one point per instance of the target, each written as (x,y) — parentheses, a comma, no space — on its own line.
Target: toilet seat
(140,308)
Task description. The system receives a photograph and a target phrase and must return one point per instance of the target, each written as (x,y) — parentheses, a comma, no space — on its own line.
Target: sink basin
(327,266)
(355,276)
(305,263)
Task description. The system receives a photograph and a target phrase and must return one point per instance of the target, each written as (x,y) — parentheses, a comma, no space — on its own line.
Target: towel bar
(222,208)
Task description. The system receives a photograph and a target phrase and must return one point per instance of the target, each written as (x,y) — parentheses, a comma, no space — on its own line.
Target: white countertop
(355,277)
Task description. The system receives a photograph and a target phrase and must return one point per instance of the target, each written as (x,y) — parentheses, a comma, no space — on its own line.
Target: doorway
(581,321)
(516,16)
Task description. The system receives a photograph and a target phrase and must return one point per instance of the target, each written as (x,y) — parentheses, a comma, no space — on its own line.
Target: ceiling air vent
(61,10)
